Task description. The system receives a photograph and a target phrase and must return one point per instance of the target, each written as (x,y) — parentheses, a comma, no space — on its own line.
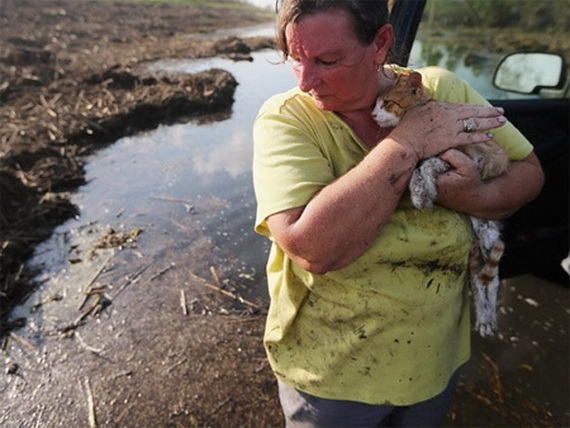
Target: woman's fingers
(464,139)
(474,124)
(437,126)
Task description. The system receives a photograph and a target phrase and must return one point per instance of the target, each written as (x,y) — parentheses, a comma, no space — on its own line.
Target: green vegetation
(496,27)
(550,16)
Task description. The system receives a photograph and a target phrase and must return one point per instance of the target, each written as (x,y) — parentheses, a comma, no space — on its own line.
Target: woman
(369,315)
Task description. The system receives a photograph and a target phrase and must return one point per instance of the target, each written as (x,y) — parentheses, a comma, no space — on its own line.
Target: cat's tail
(490,269)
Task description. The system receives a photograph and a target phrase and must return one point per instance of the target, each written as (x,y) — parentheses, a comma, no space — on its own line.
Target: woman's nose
(308,77)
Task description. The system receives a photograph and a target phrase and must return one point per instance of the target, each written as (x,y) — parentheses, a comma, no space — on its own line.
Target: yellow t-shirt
(392,326)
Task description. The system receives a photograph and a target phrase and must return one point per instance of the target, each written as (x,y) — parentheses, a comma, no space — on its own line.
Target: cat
(491,161)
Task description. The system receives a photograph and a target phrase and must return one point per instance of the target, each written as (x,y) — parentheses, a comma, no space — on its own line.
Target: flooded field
(174,184)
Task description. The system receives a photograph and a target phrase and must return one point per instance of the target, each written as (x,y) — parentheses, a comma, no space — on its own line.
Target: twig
(90,404)
(123,373)
(22,342)
(162,272)
(132,279)
(183,302)
(220,405)
(170,199)
(86,346)
(93,280)
(172,367)
(225,292)
(216,277)
(495,378)
(96,290)
(240,319)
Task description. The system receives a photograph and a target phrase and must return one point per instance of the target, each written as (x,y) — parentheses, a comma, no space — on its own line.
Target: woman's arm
(342,221)
(461,189)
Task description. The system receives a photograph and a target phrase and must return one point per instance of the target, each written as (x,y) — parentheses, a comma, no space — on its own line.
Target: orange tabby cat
(491,161)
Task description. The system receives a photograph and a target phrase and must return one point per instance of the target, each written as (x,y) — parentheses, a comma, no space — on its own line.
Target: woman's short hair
(367,16)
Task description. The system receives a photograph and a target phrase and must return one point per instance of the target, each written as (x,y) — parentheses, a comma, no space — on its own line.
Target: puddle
(185,189)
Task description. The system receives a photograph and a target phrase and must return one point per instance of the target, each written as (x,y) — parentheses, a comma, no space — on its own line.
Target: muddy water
(186,187)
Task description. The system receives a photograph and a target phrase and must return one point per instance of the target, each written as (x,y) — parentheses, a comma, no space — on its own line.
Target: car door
(471,38)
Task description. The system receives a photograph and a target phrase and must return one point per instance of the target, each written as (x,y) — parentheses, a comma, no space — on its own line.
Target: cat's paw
(487,329)
(420,196)
(423,190)
(486,319)
(485,300)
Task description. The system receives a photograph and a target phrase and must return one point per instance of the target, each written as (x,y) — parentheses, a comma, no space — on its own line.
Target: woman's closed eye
(325,62)
(319,62)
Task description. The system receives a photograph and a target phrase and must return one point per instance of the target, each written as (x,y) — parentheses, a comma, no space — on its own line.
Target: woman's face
(332,65)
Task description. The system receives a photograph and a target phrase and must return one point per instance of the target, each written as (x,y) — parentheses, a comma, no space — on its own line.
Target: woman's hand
(437,126)
(461,185)
(462,190)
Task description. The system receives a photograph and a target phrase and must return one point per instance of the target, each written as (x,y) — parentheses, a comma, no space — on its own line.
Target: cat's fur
(491,161)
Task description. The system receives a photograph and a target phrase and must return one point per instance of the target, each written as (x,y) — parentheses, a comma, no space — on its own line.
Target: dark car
(514,54)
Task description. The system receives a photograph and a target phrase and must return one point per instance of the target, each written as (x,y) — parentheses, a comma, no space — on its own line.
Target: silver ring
(468,125)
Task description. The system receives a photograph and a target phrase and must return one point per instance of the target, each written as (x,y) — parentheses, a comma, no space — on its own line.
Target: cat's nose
(376,113)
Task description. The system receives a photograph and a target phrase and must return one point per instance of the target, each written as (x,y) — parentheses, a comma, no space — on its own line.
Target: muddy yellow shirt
(392,326)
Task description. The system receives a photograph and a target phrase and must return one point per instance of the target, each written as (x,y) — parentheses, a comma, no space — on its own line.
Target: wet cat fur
(491,161)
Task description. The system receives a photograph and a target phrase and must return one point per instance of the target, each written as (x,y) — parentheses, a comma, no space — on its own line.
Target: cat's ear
(416,82)
(416,78)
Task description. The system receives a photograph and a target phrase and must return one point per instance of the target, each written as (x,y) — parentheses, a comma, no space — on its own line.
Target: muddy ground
(191,355)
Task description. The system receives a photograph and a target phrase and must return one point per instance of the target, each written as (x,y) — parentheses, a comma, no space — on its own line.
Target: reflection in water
(475,67)
(182,185)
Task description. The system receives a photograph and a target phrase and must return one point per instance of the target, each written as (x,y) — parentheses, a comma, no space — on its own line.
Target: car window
(470,37)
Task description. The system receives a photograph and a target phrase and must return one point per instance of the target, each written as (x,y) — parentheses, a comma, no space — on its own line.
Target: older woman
(356,333)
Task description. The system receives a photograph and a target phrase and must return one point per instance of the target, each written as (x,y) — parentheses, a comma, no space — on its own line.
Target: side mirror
(527,73)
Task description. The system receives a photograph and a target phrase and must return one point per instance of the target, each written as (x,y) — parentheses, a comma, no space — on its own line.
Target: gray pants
(303,410)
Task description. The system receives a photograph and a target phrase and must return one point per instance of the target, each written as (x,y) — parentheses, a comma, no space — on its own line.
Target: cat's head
(406,93)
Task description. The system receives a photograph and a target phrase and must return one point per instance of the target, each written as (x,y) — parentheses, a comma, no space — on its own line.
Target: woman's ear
(383,42)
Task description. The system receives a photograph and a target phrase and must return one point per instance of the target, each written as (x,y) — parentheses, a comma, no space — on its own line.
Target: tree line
(550,16)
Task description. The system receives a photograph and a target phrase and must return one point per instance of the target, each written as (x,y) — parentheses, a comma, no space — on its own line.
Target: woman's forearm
(341,222)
